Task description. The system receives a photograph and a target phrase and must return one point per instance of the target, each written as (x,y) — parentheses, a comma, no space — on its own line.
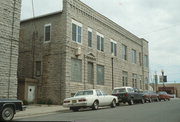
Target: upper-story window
(89,37)
(146,62)
(124,52)
(100,42)
(133,56)
(113,48)
(47,32)
(76,31)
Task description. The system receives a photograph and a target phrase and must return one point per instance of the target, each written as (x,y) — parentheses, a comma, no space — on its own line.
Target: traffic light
(165,79)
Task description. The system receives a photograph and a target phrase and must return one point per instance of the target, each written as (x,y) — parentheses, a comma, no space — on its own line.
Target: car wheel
(95,105)
(113,104)
(157,99)
(118,104)
(150,100)
(131,102)
(7,114)
(142,101)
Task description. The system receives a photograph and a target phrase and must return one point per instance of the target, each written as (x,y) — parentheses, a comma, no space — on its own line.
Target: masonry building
(9,43)
(75,49)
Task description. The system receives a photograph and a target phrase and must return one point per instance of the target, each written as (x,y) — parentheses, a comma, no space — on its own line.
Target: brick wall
(9,40)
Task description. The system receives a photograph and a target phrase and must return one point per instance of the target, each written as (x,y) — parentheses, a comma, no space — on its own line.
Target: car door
(107,98)
(100,98)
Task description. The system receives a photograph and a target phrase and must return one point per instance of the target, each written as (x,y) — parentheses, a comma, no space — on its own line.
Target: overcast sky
(157,21)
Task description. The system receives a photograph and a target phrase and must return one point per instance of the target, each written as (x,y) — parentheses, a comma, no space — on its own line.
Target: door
(31,93)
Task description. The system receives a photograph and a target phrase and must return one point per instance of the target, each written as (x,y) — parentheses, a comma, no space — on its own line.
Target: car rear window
(82,93)
(121,90)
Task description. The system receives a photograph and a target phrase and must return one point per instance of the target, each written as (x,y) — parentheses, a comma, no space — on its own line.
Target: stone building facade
(9,43)
(75,49)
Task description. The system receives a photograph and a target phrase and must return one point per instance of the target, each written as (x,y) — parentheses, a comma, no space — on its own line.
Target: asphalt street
(168,111)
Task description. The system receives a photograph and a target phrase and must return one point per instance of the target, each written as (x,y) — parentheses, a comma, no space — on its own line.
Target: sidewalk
(36,110)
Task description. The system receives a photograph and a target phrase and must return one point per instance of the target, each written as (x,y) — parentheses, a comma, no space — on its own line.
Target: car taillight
(126,94)
(67,101)
(82,100)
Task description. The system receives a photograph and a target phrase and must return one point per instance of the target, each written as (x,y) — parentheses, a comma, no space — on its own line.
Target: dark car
(8,108)
(163,96)
(150,96)
(128,94)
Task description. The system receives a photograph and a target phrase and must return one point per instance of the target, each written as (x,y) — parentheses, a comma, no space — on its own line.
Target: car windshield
(82,93)
(115,91)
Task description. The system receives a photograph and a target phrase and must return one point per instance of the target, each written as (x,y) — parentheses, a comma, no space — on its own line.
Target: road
(168,111)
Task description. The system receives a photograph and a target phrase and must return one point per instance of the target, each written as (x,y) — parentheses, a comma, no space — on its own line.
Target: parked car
(9,107)
(163,96)
(150,96)
(128,94)
(90,99)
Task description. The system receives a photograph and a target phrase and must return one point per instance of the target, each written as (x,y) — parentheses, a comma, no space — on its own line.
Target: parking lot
(164,111)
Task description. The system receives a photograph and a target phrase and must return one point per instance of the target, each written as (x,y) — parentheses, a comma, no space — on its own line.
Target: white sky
(157,21)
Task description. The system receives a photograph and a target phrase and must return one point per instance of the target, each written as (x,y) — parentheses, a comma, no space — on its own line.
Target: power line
(161,29)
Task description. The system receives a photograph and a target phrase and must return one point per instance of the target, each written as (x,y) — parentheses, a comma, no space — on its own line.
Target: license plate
(74,101)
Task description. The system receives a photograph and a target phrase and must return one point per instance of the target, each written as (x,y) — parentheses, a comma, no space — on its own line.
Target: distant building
(9,43)
(170,88)
(77,49)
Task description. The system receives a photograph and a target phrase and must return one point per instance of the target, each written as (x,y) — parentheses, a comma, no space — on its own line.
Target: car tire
(150,100)
(157,100)
(142,101)
(113,104)
(7,114)
(95,105)
(131,102)
(118,104)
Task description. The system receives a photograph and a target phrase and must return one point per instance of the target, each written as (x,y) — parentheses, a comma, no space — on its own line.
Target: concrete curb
(37,110)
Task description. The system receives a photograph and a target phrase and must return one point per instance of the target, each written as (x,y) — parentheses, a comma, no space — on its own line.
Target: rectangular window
(125,78)
(89,38)
(90,73)
(134,80)
(100,75)
(76,31)
(38,68)
(47,32)
(133,56)
(146,62)
(100,42)
(124,52)
(76,70)
(113,48)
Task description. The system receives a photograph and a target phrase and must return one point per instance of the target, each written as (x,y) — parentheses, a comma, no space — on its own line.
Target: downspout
(10,60)
(112,61)
(84,72)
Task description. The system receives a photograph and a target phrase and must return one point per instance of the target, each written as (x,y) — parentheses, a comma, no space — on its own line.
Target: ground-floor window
(125,78)
(100,75)
(76,70)
(134,80)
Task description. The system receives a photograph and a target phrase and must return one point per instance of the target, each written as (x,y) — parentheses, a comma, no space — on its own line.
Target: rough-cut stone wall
(9,42)
(55,82)
(89,18)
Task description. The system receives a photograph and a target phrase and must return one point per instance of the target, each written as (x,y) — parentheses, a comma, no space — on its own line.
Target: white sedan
(90,98)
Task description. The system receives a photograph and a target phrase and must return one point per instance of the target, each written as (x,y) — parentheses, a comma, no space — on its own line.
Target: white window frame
(101,36)
(46,25)
(134,57)
(114,43)
(78,24)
